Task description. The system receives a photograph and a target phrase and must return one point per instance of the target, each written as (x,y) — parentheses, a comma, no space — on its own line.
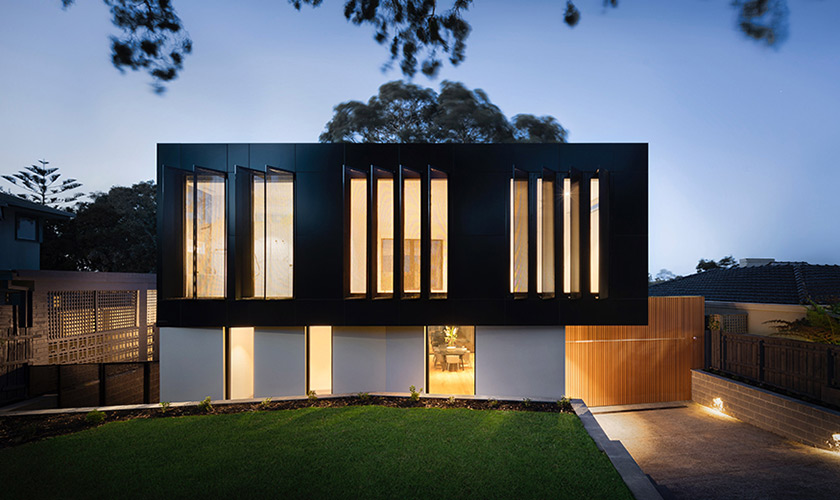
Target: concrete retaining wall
(787,417)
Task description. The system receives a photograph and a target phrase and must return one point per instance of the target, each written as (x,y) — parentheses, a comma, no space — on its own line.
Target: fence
(801,368)
(97,384)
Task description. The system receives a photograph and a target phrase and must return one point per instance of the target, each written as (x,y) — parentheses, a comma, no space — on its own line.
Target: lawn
(349,452)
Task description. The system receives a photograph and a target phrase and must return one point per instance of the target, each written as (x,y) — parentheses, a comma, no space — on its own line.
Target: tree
(40,181)
(115,232)
(707,265)
(403,112)
(154,39)
(665,275)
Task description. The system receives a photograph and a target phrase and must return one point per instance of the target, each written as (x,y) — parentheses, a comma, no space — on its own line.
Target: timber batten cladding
(617,365)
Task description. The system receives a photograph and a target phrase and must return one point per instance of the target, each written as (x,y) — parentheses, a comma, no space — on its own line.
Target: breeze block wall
(788,417)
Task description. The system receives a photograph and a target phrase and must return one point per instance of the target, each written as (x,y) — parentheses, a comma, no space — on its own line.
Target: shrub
(415,395)
(312,396)
(451,399)
(164,406)
(265,404)
(364,396)
(205,405)
(526,402)
(564,404)
(493,403)
(95,417)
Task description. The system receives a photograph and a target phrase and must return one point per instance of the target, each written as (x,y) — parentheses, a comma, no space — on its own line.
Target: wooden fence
(615,365)
(803,368)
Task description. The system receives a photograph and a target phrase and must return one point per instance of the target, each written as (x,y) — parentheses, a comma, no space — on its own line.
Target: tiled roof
(775,283)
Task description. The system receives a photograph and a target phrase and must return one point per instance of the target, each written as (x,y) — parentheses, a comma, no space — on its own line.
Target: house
(758,291)
(22,231)
(345,268)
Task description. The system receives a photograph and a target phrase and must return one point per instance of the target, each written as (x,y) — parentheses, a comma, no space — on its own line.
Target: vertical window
(204,235)
(272,219)
(320,359)
(439,203)
(519,235)
(384,233)
(571,238)
(358,233)
(594,236)
(451,359)
(411,233)
(545,235)
(241,365)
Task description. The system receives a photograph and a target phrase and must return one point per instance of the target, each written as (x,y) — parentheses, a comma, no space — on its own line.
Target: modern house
(747,297)
(344,268)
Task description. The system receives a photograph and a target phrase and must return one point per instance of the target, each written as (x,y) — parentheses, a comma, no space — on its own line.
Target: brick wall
(787,417)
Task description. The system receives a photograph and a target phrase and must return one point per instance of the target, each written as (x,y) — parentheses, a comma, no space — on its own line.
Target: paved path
(695,452)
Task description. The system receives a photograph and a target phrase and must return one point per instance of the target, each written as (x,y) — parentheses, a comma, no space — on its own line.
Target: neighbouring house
(52,318)
(757,291)
(345,268)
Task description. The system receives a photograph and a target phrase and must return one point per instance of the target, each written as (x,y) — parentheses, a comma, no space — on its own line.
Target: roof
(774,283)
(9,200)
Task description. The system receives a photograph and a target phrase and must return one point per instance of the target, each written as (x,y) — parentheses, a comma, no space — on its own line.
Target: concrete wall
(404,354)
(279,362)
(191,364)
(359,359)
(787,417)
(758,314)
(520,362)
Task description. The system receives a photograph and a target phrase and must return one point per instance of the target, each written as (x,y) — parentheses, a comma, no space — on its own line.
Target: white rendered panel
(358,359)
(241,363)
(191,364)
(520,362)
(405,352)
(279,362)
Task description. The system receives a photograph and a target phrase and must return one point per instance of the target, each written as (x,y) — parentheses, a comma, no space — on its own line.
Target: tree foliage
(115,232)
(417,32)
(403,112)
(820,324)
(724,263)
(42,185)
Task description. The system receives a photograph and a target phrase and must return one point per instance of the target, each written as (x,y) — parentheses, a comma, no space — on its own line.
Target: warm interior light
(385,235)
(519,236)
(594,237)
(320,359)
(279,232)
(440,235)
(571,269)
(204,236)
(358,235)
(241,363)
(411,235)
(258,226)
(545,236)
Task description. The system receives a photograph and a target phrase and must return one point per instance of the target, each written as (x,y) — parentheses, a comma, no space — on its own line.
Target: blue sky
(743,139)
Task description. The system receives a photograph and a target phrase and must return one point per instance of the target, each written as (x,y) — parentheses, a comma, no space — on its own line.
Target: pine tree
(43,185)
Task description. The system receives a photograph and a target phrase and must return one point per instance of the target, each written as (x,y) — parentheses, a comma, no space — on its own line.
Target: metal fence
(802,368)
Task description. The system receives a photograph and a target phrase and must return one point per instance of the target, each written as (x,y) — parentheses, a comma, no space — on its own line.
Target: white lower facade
(240,363)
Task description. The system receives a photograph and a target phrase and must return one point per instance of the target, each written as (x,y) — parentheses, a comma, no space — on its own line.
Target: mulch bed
(16,430)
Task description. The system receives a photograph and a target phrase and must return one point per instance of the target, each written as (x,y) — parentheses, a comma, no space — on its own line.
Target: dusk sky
(744,140)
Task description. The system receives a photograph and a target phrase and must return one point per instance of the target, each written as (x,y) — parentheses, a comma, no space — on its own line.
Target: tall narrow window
(439,203)
(545,235)
(272,218)
(594,236)
(320,359)
(384,234)
(358,234)
(571,238)
(519,235)
(204,235)
(411,232)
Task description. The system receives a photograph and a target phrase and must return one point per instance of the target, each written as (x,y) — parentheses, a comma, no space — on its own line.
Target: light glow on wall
(594,237)
(358,235)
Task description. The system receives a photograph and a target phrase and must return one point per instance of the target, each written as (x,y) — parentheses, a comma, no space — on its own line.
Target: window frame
(193,174)
(436,173)
(36,226)
(348,174)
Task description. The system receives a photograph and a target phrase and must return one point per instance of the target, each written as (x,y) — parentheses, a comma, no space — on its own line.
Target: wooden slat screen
(615,365)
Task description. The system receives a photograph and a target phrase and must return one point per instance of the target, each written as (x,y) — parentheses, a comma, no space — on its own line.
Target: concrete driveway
(695,452)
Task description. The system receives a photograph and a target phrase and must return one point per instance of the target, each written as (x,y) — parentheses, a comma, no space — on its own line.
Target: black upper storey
(479,234)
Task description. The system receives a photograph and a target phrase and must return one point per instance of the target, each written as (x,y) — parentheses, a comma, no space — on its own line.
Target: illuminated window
(320,359)
(272,218)
(241,363)
(594,237)
(411,232)
(384,232)
(571,237)
(519,235)
(439,203)
(204,235)
(545,235)
(451,359)
(358,232)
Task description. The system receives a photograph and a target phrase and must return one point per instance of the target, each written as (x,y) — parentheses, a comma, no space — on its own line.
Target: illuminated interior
(241,363)
(440,233)
(204,235)
(571,238)
(545,236)
(320,359)
(519,236)
(411,235)
(279,234)
(594,237)
(384,235)
(451,360)
(258,210)
(358,235)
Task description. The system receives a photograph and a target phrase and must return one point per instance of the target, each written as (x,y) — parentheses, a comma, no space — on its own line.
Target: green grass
(350,452)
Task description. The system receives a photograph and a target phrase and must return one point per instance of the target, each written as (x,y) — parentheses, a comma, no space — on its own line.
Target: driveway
(694,452)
